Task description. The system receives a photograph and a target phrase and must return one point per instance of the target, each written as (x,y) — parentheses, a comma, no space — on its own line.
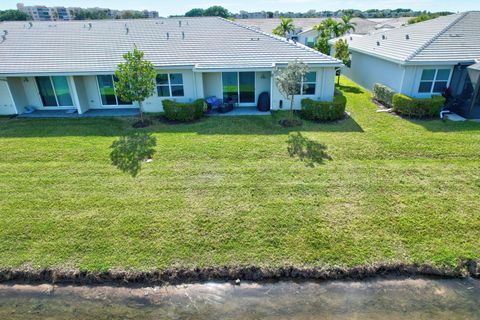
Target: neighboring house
(421,60)
(304,32)
(309,36)
(69,65)
(390,23)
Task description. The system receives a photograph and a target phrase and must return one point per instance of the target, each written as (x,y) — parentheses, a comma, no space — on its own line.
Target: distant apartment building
(43,13)
(150,14)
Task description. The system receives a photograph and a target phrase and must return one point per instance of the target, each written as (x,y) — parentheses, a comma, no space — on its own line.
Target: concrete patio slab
(241,111)
(40,114)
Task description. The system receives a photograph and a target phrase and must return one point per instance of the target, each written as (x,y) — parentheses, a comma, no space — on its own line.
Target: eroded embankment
(175,276)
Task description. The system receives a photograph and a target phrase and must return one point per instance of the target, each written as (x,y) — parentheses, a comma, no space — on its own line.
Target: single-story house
(309,36)
(70,65)
(422,59)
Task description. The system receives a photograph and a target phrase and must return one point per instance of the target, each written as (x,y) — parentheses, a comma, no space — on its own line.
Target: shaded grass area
(224,191)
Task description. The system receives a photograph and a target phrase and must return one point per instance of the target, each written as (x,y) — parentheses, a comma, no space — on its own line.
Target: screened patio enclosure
(474,73)
(465,86)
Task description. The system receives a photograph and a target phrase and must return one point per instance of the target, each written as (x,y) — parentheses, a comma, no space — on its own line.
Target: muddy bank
(375,299)
(176,276)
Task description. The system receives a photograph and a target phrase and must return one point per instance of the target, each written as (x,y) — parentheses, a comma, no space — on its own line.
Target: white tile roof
(454,38)
(98,46)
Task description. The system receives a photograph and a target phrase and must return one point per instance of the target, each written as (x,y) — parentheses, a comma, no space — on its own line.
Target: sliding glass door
(239,86)
(54,91)
(107,91)
(247,87)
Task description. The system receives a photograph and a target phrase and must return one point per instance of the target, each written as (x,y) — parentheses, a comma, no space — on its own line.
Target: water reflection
(375,299)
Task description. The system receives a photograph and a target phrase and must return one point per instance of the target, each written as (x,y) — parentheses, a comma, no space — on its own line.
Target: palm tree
(328,28)
(346,25)
(285,28)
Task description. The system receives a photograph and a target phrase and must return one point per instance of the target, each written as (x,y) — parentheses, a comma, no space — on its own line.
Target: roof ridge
(281,39)
(437,35)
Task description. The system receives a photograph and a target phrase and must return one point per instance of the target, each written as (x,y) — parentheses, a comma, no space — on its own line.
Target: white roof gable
(98,46)
(454,38)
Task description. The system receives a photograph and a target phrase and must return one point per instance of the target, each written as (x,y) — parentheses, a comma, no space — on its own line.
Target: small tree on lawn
(342,53)
(135,79)
(289,81)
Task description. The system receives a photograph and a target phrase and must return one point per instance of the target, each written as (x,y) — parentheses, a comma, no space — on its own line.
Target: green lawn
(223,191)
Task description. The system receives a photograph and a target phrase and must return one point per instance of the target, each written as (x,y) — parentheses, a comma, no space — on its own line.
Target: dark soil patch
(287,123)
(142,124)
(163,119)
(468,268)
(380,104)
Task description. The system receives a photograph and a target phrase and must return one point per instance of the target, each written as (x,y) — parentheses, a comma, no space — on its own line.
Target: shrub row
(324,111)
(418,108)
(183,112)
(383,94)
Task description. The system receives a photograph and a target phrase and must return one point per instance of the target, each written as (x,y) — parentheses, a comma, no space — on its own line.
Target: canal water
(374,299)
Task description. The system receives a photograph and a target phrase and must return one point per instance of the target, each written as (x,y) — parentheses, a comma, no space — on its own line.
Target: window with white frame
(108,94)
(309,83)
(434,80)
(170,85)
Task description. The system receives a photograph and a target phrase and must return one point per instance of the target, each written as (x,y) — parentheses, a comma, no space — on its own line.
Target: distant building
(38,13)
(43,13)
(150,14)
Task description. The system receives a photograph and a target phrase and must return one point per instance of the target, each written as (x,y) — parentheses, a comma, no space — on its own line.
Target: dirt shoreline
(465,269)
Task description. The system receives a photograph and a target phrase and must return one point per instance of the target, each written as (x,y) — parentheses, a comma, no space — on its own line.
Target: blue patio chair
(213,102)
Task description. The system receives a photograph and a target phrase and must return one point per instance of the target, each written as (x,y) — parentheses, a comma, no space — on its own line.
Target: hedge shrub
(324,111)
(383,94)
(418,108)
(183,112)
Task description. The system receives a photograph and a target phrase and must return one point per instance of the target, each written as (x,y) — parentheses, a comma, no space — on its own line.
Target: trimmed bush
(383,94)
(183,112)
(324,111)
(418,108)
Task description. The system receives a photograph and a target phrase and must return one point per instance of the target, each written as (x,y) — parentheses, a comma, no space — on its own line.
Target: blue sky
(169,7)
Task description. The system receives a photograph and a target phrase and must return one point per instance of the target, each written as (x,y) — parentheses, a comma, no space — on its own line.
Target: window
(309,83)
(107,91)
(310,42)
(239,86)
(434,80)
(54,91)
(170,85)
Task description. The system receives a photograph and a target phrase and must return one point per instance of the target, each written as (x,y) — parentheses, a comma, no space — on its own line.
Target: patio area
(94,113)
(241,111)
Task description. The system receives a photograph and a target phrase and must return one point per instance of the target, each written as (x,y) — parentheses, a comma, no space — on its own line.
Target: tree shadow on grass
(307,150)
(350,89)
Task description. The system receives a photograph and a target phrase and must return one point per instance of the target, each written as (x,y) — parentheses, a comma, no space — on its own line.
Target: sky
(172,7)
